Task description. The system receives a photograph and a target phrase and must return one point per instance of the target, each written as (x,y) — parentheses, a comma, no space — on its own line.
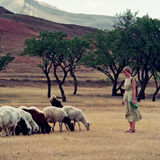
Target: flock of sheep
(30,120)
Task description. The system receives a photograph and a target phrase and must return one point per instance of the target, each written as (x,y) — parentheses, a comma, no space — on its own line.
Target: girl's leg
(130,124)
(133,126)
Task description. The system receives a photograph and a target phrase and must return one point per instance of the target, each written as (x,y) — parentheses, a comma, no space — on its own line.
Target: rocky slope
(48,12)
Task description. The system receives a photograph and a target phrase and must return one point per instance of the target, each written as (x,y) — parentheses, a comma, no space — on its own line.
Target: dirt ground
(106,139)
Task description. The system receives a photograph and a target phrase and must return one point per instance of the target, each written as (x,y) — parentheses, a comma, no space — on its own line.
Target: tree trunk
(62,93)
(141,94)
(49,84)
(60,83)
(49,87)
(75,81)
(114,89)
(145,78)
(157,88)
(154,95)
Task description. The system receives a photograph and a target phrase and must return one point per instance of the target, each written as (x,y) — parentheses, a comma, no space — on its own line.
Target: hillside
(48,12)
(14,29)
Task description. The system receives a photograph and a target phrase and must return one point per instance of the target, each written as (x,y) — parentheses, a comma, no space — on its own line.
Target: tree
(38,47)
(65,55)
(142,36)
(107,54)
(4,59)
(57,51)
(77,47)
(146,44)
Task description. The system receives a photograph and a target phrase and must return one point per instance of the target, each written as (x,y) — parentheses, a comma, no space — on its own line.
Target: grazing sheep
(22,127)
(33,124)
(40,119)
(77,115)
(55,102)
(26,128)
(8,121)
(54,114)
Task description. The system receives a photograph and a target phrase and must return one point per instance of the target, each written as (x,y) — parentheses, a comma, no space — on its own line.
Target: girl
(131,114)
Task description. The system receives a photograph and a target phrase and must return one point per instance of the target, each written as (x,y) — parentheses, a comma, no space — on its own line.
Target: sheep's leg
(7,132)
(12,130)
(60,126)
(74,123)
(79,125)
(53,126)
(2,132)
(66,127)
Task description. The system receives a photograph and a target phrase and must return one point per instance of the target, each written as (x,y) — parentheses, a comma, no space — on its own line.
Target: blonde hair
(127,69)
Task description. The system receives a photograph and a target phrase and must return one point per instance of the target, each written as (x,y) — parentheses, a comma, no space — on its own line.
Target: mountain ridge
(48,12)
(16,28)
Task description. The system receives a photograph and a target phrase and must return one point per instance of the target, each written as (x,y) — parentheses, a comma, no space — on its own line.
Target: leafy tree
(4,59)
(142,37)
(146,38)
(107,54)
(38,47)
(57,51)
(65,55)
(77,47)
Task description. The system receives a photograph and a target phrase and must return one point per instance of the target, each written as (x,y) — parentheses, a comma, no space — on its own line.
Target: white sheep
(19,118)
(54,114)
(77,115)
(33,124)
(8,121)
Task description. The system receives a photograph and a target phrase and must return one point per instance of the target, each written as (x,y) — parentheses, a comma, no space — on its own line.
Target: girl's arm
(134,90)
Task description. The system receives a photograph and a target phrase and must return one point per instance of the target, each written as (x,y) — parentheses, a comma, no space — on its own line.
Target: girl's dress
(131,114)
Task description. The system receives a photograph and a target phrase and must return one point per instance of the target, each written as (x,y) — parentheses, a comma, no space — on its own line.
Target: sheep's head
(22,127)
(52,98)
(55,102)
(71,127)
(87,125)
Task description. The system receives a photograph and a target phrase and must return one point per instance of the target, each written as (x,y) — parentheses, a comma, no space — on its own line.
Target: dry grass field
(106,139)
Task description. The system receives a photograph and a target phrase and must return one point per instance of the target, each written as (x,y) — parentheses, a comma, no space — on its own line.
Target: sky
(108,7)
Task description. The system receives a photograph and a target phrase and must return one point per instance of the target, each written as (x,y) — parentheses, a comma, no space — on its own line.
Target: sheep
(54,114)
(40,119)
(8,121)
(55,102)
(30,110)
(23,124)
(33,124)
(22,127)
(77,115)
(26,128)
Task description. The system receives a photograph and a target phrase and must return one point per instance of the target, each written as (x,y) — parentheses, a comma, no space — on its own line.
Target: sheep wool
(54,114)
(18,116)
(77,115)
(8,121)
